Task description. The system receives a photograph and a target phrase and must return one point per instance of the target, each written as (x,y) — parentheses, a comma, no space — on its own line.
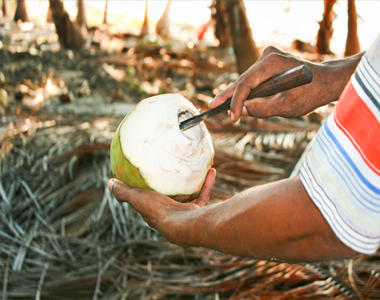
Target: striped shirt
(341,173)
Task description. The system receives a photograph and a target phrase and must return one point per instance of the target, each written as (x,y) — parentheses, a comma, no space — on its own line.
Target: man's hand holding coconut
(298,219)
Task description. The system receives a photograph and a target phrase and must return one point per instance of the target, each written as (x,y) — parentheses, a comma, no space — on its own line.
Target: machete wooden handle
(285,81)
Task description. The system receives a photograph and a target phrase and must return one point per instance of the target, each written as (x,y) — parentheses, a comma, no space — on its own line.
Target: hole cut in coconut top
(195,132)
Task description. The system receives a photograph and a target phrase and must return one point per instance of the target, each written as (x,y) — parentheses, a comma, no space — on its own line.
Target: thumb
(112,184)
(139,199)
(121,191)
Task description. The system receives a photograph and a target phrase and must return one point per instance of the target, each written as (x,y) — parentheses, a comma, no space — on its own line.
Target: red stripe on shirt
(358,123)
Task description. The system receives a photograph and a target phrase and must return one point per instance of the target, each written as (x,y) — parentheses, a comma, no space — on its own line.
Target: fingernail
(210,102)
(110,184)
(232,116)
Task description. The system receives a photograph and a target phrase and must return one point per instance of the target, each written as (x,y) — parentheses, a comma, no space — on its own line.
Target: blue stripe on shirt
(346,179)
(328,212)
(349,160)
(366,90)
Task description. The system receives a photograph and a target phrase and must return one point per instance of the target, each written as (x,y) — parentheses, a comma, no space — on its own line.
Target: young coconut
(149,150)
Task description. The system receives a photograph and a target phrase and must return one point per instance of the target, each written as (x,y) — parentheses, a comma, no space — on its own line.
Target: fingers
(205,193)
(272,62)
(253,77)
(120,190)
(245,112)
(288,104)
(240,90)
(147,202)
(240,95)
(159,211)
(123,193)
(261,107)
(117,188)
(222,97)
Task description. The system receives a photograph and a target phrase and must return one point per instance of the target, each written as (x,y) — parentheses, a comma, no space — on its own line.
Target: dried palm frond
(63,235)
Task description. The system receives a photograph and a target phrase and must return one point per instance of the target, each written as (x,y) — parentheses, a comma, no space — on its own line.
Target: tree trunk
(245,49)
(220,17)
(105,13)
(81,16)
(21,12)
(325,28)
(69,34)
(352,43)
(163,24)
(49,17)
(145,26)
(4,8)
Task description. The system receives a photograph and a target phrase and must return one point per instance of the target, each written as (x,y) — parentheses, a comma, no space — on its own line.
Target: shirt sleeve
(341,173)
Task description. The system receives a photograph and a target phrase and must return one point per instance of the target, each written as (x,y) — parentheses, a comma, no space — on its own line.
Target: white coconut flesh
(170,161)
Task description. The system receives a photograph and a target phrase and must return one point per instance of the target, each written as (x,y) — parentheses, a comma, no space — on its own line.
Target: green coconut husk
(123,169)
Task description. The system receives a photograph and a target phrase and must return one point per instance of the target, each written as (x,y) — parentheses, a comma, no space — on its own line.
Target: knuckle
(263,108)
(269,50)
(116,190)
(251,112)
(288,112)
(254,110)
(275,58)
(245,82)
(250,108)
(282,61)
(286,107)
(242,80)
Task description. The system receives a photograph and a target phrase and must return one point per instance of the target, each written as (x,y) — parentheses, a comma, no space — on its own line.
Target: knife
(290,79)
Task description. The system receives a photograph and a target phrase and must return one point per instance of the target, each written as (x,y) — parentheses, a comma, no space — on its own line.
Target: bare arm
(274,221)
(330,78)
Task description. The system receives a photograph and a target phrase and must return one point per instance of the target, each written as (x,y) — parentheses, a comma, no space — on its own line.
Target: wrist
(337,74)
(187,229)
(203,227)
(198,227)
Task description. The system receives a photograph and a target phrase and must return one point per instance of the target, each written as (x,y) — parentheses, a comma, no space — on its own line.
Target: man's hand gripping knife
(273,221)
(329,80)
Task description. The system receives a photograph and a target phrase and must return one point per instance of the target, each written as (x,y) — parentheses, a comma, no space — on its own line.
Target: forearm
(274,221)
